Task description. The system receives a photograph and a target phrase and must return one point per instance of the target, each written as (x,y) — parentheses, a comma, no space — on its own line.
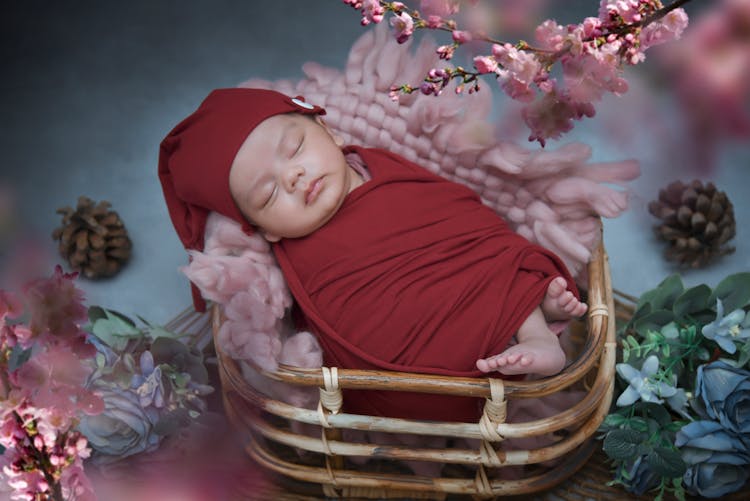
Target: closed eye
(299,146)
(270,196)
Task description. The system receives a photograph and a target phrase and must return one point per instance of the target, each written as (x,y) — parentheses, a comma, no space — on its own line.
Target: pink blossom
(518,71)
(668,28)
(626,9)
(591,27)
(434,22)
(372,12)
(446,51)
(588,76)
(485,64)
(460,36)
(55,305)
(553,115)
(403,26)
(550,35)
(53,380)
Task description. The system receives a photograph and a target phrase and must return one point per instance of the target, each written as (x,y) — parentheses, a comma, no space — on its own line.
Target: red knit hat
(196,156)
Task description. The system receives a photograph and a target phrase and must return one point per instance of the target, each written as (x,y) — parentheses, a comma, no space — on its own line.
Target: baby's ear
(336,138)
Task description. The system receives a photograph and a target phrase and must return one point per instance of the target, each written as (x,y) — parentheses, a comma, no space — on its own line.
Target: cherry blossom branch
(591,54)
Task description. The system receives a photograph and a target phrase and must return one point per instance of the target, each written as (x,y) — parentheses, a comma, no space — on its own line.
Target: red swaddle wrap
(414,274)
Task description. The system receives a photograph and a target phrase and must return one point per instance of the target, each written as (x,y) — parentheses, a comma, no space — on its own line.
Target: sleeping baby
(391,266)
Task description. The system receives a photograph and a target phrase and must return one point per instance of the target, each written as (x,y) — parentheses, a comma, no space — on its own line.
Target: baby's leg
(538,351)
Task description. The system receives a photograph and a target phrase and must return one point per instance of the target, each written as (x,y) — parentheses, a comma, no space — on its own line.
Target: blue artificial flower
(123,429)
(149,384)
(725,330)
(717,459)
(724,392)
(641,385)
(641,477)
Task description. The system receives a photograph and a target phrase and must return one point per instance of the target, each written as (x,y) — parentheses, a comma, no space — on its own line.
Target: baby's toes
(580,309)
(483,365)
(557,286)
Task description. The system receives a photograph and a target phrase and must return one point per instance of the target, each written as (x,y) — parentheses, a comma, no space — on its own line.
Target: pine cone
(697,221)
(92,238)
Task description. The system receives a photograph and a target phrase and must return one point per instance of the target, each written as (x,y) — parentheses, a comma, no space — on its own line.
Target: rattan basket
(378,471)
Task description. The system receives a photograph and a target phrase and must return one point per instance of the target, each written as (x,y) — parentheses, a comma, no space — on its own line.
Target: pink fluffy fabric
(553,198)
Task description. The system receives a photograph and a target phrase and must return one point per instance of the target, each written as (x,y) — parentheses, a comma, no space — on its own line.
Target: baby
(391,266)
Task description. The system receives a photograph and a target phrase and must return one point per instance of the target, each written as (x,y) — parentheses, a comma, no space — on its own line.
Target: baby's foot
(535,356)
(561,304)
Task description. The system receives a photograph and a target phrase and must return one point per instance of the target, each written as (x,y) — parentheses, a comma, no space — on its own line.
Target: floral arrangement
(118,389)
(43,370)
(591,55)
(152,383)
(682,422)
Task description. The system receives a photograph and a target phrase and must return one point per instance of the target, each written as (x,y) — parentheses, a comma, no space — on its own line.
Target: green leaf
(160,332)
(692,300)
(667,292)
(612,421)
(622,444)
(18,357)
(95,313)
(744,355)
(115,330)
(653,321)
(666,462)
(656,412)
(734,292)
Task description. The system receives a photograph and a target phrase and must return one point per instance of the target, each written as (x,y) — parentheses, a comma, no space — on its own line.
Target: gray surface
(90,88)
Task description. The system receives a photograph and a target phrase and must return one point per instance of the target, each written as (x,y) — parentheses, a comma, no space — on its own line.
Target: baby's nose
(293,177)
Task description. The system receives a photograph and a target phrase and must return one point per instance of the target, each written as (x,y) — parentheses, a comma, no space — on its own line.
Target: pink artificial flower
(628,10)
(550,35)
(403,26)
(55,305)
(446,51)
(668,28)
(485,64)
(591,27)
(372,12)
(552,115)
(434,22)
(54,380)
(518,71)
(587,76)
(461,36)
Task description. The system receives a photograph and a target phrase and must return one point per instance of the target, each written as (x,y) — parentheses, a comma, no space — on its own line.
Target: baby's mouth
(313,190)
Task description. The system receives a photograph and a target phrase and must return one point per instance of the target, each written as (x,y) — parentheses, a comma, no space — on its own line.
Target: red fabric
(196,156)
(414,274)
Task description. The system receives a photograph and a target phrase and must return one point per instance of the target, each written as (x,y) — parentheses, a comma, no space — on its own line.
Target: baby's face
(290,177)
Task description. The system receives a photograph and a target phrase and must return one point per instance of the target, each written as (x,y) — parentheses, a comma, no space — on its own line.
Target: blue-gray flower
(724,391)
(642,477)
(123,429)
(717,459)
(149,384)
(642,385)
(725,330)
